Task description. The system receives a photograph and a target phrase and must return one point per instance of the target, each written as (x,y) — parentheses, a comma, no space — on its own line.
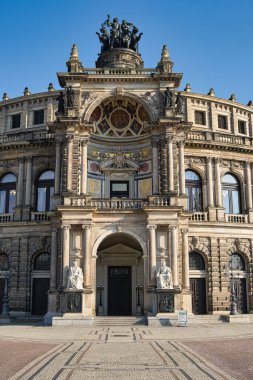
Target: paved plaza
(220,352)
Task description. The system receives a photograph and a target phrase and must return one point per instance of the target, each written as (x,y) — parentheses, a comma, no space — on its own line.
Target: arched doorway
(238,272)
(119,276)
(198,282)
(40,283)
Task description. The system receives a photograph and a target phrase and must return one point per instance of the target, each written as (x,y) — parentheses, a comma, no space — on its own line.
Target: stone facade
(119,134)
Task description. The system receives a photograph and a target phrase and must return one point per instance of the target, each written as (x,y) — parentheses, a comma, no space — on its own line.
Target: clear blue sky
(210,41)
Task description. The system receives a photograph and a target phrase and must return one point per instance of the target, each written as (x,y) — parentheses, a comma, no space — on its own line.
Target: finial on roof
(165,54)
(26,91)
(5,96)
(250,103)
(74,52)
(73,64)
(165,64)
(233,98)
(211,92)
(188,87)
(51,87)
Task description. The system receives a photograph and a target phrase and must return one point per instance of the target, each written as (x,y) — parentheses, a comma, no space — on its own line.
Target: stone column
(57,179)
(70,139)
(209,181)
(170,166)
(186,271)
(174,248)
(249,185)
(86,255)
(20,184)
(152,254)
(28,188)
(65,253)
(181,168)
(155,172)
(53,261)
(84,144)
(218,192)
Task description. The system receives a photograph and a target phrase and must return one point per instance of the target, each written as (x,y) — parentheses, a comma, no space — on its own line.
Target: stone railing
(236,218)
(26,136)
(198,216)
(5,218)
(41,216)
(219,137)
(118,71)
(118,203)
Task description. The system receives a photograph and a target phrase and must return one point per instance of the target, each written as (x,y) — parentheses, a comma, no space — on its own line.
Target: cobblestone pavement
(76,353)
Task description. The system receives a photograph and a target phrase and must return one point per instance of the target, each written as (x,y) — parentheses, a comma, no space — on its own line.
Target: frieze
(232,164)
(194,160)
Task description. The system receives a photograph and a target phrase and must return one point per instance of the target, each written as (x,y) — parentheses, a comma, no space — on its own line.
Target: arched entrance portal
(119,276)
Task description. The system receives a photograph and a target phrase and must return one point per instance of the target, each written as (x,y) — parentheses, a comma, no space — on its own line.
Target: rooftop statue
(115,35)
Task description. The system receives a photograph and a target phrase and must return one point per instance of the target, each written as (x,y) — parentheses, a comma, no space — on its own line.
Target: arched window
(231,194)
(42,262)
(237,262)
(193,187)
(7,193)
(196,261)
(45,190)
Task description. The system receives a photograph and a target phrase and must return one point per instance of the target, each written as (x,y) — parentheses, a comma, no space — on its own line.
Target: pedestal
(167,306)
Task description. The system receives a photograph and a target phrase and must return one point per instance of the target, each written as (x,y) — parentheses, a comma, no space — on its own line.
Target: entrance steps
(202,319)
(119,321)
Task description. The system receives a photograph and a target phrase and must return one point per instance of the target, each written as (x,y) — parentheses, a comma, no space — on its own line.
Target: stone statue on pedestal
(75,277)
(164,277)
(70,95)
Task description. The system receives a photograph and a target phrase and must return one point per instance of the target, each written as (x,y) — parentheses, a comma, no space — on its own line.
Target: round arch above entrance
(119,274)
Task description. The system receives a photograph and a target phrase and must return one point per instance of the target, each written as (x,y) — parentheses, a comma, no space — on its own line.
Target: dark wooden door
(1,294)
(40,295)
(241,295)
(198,288)
(119,291)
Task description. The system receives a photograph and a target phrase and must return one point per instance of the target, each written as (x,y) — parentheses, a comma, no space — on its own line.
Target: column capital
(84,141)
(169,139)
(173,227)
(86,226)
(217,160)
(247,164)
(29,159)
(180,144)
(208,159)
(55,229)
(66,227)
(59,141)
(184,231)
(69,138)
(154,142)
(21,160)
(151,227)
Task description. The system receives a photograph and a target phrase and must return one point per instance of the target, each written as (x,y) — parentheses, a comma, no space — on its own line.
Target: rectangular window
(16,121)
(38,117)
(242,127)
(222,122)
(200,117)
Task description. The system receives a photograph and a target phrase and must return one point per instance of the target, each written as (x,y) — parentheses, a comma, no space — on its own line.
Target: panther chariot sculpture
(115,35)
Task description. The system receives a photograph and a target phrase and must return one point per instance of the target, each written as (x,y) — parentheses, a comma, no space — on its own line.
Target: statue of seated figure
(164,277)
(75,277)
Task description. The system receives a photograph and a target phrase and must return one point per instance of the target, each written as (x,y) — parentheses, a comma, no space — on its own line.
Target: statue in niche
(61,104)
(167,97)
(70,95)
(164,277)
(179,103)
(75,277)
